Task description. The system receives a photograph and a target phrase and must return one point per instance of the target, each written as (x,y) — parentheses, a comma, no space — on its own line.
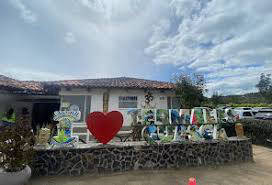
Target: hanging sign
(67,115)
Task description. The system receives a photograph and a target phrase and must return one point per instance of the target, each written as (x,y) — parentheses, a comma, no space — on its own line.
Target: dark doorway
(42,114)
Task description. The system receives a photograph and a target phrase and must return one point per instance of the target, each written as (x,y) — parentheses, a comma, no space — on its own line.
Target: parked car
(265,114)
(243,114)
(255,110)
(243,108)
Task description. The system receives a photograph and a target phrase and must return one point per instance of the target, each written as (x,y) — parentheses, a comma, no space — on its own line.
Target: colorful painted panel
(131,116)
(220,115)
(162,117)
(148,116)
(211,116)
(174,116)
(230,115)
(185,116)
(197,116)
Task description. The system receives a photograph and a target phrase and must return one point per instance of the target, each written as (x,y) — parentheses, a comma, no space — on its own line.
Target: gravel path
(256,173)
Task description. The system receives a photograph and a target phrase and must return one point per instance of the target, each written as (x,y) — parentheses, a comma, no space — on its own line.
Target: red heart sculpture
(104,126)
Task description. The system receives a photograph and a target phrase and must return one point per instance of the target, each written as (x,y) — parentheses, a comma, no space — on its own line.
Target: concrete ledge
(114,157)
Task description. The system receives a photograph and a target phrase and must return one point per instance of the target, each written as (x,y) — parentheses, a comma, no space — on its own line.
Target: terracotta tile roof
(53,86)
(122,82)
(11,84)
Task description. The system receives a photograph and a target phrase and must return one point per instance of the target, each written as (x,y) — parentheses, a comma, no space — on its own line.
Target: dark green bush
(16,147)
(258,130)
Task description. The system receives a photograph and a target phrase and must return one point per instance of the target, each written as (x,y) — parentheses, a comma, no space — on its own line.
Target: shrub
(16,146)
(258,130)
(251,105)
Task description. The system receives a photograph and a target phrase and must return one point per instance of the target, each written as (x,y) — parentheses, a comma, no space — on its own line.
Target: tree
(190,89)
(216,99)
(265,87)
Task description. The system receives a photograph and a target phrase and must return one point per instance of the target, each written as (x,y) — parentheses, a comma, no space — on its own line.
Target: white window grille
(128,102)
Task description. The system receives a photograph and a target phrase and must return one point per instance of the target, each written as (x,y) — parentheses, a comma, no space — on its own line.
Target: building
(105,94)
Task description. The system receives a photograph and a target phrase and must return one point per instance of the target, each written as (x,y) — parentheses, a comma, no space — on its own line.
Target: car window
(247,108)
(247,114)
(265,112)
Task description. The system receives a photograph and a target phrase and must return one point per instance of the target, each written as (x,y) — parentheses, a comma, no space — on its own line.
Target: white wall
(97,97)
(159,104)
(97,101)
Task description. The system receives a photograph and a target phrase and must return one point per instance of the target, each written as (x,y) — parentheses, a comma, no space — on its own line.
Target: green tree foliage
(190,89)
(250,105)
(250,98)
(265,87)
(216,99)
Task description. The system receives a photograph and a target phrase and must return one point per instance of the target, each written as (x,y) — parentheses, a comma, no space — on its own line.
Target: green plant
(16,146)
(265,87)
(216,99)
(190,89)
(251,105)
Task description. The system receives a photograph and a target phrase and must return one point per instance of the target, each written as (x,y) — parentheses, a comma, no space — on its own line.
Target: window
(83,102)
(247,114)
(173,103)
(246,108)
(128,102)
(266,112)
(162,98)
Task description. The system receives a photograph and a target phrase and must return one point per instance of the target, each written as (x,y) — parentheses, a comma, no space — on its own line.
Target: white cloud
(112,35)
(26,14)
(70,38)
(38,75)
(225,39)
(229,41)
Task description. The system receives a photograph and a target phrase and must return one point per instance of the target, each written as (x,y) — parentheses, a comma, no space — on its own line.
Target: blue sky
(229,41)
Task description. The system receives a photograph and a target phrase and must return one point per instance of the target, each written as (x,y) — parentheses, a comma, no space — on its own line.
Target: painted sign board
(67,115)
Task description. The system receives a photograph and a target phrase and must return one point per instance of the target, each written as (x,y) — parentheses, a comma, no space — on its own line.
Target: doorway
(43,113)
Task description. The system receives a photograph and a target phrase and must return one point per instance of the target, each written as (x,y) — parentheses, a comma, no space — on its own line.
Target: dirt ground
(254,173)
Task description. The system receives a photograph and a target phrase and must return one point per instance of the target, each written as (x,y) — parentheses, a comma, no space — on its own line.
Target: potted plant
(16,152)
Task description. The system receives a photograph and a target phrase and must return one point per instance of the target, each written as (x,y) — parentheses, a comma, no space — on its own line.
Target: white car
(255,110)
(243,108)
(265,114)
(243,114)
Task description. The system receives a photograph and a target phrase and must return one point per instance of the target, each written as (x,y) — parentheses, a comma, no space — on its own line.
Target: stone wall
(124,157)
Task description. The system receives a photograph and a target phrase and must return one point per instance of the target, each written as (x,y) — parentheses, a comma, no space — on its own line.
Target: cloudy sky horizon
(228,41)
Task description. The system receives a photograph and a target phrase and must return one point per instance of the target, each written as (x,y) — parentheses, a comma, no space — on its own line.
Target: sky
(228,41)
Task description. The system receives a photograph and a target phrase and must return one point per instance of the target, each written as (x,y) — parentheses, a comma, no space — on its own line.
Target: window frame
(170,102)
(83,112)
(128,101)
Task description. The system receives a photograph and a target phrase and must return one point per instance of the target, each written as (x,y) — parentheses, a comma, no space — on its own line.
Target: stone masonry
(118,158)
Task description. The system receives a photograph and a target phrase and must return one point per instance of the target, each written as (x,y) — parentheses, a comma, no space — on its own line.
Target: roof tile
(122,82)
